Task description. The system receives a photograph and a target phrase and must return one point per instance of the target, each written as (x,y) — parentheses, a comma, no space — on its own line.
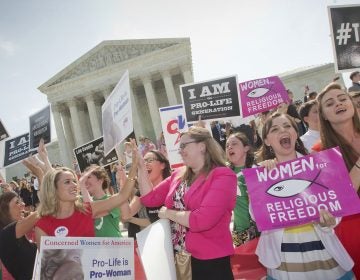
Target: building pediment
(108,53)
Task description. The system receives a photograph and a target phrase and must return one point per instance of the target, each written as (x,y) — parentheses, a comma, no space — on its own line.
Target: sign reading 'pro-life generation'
(262,95)
(295,191)
(85,258)
(16,149)
(213,99)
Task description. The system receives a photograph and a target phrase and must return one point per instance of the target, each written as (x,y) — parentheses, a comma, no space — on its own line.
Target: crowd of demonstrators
(198,200)
(288,253)
(61,206)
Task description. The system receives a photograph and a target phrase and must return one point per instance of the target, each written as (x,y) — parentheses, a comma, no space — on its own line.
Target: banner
(85,258)
(211,100)
(295,191)
(173,123)
(345,29)
(117,120)
(40,128)
(262,95)
(16,149)
(3,132)
(156,251)
(93,153)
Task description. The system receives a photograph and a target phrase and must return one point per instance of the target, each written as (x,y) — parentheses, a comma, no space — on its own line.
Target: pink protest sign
(295,191)
(262,95)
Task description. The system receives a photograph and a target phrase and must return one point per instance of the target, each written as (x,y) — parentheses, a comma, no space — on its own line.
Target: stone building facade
(156,68)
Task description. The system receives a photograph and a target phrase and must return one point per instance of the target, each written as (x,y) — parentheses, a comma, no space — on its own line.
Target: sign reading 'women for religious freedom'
(262,95)
(295,191)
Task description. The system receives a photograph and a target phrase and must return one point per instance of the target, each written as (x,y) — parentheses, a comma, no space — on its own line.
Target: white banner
(117,120)
(85,258)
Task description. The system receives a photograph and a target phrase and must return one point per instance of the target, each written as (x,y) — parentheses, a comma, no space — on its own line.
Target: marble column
(64,150)
(138,125)
(187,74)
(153,107)
(95,127)
(69,135)
(75,118)
(169,87)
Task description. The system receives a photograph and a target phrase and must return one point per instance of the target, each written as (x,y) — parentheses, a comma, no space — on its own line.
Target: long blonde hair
(329,137)
(49,201)
(214,154)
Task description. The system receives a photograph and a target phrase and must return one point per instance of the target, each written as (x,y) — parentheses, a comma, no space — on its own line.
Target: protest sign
(155,240)
(173,123)
(16,149)
(295,191)
(93,153)
(117,115)
(85,258)
(40,128)
(211,100)
(262,95)
(344,25)
(3,132)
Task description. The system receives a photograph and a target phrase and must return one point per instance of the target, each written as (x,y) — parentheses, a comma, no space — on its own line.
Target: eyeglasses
(182,146)
(150,160)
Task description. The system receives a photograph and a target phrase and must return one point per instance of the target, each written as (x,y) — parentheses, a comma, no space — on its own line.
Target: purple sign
(295,191)
(262,95)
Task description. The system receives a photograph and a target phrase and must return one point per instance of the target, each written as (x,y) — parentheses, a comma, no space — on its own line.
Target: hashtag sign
(344,34)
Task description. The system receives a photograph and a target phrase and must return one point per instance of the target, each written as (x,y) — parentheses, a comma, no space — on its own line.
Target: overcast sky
(253,39)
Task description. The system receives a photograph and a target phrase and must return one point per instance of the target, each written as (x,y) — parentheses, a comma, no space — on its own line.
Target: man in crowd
(309,115)
(355,78)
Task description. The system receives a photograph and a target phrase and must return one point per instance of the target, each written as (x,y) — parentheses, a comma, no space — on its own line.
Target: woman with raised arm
(199,200)
(17,253)
(340,126)
(62,212)
(309,251)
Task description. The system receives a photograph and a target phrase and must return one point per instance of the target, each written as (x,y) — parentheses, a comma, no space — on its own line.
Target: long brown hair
(329,137)
(249,160)
(5,199)
(265,152)
(214,154)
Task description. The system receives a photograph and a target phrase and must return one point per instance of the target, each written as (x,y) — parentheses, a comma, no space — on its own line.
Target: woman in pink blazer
(198,200)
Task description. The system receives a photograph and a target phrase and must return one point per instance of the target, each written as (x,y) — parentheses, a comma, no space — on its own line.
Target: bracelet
(135,178)
(357,165)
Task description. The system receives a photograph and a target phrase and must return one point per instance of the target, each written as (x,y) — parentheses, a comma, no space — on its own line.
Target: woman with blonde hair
(198,200)
(62,212)
(340,126)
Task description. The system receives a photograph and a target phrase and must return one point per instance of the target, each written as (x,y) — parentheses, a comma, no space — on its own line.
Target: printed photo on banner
(3,132)
(85,258)
(211,100)
(262,95)
(344,25)
(93,153)
(173,122)
(117,115)
(294,192)
(16,149)
(40,128)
